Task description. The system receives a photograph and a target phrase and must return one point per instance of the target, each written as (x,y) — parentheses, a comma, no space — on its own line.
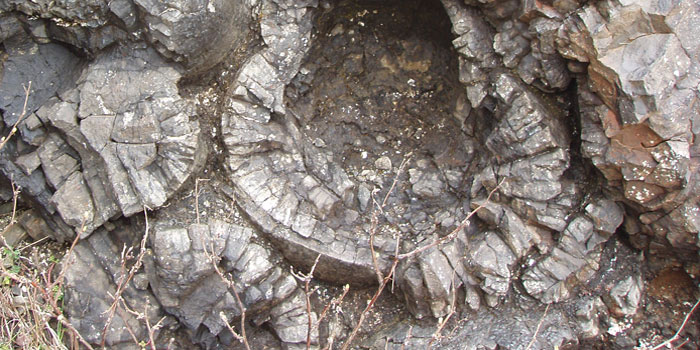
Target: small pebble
(383,163)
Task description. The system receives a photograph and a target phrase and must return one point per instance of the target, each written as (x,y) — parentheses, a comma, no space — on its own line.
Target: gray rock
(640,93)
(181,273)
(440,280)
(50,67)
(56,163)
(169,149)
(493,261)
(116,178)
(91,278)
(513,328)
(626,296)
(28,162)
(198,34)
(510,42)
(74,204)
(606,214)
(312,101)
(289,321)
(383,163)
(527,128)
(427,184)
(589,313)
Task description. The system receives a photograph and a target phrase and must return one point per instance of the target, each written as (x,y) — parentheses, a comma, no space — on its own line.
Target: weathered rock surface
(197,33)
(638,127)
(100,147)
(93,276)
(182,273)
(333,124)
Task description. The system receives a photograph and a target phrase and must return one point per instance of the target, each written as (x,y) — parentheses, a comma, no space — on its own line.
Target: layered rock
(94,275)
(559,122)
(182,273)
(199,34)
(273,181)
(638,128)
(528,146)
(107,144)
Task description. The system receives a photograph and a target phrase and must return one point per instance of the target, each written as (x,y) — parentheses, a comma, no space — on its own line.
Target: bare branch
(125,278)
(669,343)
(537,330)
(307,293)
(454,232)
(443,322)
(379,208)
(333,302)
(232,286)
(27,90)
(48,294)
(15,196)
(408,337)
(369,306)
(399,257)
(237,336)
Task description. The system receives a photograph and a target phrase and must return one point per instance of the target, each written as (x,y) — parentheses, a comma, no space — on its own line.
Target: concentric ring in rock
(109,143)
(325,113)
(362,101)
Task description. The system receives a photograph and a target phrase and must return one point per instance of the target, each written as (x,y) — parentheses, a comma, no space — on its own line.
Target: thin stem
(537,330)
(369,306)
(668,343)
(21,117)
(454,232)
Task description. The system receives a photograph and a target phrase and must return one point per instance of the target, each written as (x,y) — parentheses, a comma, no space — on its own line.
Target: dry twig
(669,343)
(125,277)
(537,330)
(232,286)
(443,322)
(47,290)
(334,302)
(379,208)
(370,304)
(399,257)
(409,334)
(455,232)
(27,90)
(150,330)
(307,293)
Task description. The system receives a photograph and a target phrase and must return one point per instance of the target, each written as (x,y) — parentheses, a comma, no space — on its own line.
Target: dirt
(381,80)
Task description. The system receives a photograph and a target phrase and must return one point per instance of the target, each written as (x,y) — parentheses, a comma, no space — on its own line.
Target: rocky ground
(499,174)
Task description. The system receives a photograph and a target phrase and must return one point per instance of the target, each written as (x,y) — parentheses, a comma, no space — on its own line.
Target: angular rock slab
(121,140)
(639,127)
(92,279)
(182,274)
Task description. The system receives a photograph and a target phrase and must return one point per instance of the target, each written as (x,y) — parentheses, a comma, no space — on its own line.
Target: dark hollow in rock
(377,88)
(380,82)
(377,85)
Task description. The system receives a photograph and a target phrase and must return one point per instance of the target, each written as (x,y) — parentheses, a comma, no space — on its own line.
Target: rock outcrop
(347,132)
